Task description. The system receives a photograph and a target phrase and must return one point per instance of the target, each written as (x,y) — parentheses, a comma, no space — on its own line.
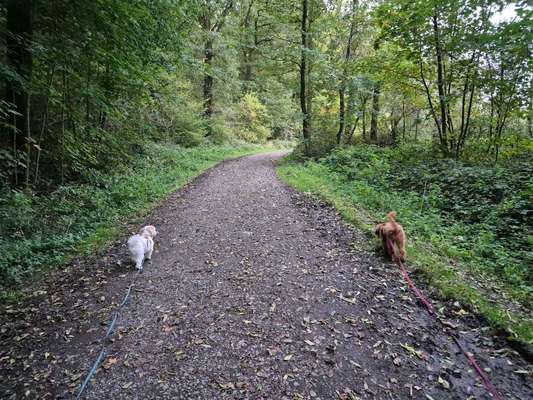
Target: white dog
(141,246)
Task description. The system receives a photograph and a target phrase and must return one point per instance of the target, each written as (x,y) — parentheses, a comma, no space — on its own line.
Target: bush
(484,209)
(470,242)
(42,231)
(252,120)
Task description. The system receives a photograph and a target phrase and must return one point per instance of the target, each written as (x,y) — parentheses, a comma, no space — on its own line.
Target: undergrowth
(39,232)
(466,223)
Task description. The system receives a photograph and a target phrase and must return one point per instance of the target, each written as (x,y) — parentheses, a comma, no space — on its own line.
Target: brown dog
(393,237)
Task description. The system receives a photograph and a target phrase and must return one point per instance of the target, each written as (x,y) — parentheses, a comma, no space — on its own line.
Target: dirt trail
(255,292)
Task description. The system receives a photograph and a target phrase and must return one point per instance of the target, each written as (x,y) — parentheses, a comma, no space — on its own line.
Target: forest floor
(255,291)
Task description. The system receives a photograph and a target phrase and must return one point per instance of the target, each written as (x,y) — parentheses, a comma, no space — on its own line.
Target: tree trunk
(248,48)
(341,114)
(208,82)
(342,89)
(404,120)
(19,31)
(209,54)
(395,121)
(417,121)
(306,120)
(375,113)
(441,86)
(364,120)
(208,73)
(530,118)
(19,24)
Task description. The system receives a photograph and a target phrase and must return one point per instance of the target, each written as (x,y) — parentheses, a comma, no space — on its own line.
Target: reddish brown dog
(393,237)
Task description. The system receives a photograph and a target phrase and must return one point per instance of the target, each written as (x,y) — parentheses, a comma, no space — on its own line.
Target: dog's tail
(392,216)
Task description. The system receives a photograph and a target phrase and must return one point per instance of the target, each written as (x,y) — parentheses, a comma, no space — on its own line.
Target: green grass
(362,204)
(39,233)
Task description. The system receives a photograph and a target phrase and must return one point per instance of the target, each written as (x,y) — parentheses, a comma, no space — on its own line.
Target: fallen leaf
(109,362)
(413,351)
(445,384)
(180,355)
(523,372)
(226,386)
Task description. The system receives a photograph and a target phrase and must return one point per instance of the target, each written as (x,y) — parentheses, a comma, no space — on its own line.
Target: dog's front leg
(390,249)
(149,255)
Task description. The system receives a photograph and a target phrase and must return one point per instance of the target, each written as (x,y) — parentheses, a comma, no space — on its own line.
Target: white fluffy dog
(141,246)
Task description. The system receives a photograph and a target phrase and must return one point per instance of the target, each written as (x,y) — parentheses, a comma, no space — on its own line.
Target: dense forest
(86,84)
(429,102)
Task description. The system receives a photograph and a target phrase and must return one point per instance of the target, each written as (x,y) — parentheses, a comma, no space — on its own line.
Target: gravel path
(255,292)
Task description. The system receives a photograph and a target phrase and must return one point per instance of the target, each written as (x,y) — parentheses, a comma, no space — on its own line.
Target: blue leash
(109,333)
(91,373)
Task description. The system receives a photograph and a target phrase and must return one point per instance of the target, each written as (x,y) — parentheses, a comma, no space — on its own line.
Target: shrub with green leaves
(482,210)
(44,231)
(252,120)
(468,225)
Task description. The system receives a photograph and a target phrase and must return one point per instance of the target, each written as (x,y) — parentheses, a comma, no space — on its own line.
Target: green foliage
(481,210)
(106,78)
(43,231)
(251,120)
(475,215)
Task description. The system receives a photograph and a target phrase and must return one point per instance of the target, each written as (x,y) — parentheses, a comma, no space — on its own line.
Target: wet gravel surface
(255,292)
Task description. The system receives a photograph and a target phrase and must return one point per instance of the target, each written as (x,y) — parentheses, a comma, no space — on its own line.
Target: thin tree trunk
(430,101)
(306,121)
(441,85)
(395,121)
(44,126)
(342,89)
(208,74)
(208,79)
(247,49)
(29,140)
(403,119)
(530,117)
(62,141)
(375,113)
(352,131)
(208,60)
(341,115)
(364,120)
(468,114)
(19,27)
(87,96)
(416,124)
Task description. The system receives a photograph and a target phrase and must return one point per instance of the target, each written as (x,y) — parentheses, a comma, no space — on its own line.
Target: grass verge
(39,233)
(362,204)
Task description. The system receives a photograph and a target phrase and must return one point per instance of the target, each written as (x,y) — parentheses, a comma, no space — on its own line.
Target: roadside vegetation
(46,231)
(467,224)
(108,107)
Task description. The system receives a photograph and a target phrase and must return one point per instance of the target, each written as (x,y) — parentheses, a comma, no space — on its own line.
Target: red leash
(417,291)
(484,378)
